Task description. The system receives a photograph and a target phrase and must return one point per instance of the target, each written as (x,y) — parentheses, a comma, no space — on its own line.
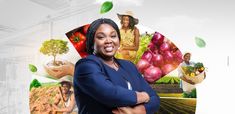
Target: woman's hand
(123,110)
(63,70)
(139,109)
(142,97)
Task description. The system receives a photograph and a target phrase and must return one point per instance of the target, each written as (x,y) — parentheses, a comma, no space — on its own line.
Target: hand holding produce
(195,74)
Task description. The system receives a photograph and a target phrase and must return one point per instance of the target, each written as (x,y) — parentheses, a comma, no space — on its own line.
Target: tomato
(85,28)
(71,38)
(201,69)
(76,33)
(83,54)
(81,36)
(77,38)
(80,46)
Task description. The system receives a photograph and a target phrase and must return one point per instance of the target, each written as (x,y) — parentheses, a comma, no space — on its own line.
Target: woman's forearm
(138,109)
(186,80)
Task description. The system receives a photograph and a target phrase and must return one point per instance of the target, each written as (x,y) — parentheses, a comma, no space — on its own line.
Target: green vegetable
(198,65)
(172,81)
(200,42)
(189,69)
(35,83)
(143,46)
(168,80)
(192,94)
(106,6)
(32,68)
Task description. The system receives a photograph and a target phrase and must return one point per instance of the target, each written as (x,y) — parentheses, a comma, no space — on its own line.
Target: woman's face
(187,57)
(125,21)
(65,88)
(106,41)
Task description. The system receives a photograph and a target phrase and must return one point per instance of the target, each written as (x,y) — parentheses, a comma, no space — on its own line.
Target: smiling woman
(106,41)
(129,36)
(106,85)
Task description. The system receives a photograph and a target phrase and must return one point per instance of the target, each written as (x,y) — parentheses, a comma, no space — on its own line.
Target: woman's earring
(94,50)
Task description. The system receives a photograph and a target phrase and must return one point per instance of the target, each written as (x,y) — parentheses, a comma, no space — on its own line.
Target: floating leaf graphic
(32,68)
(106,6)
(200,42)
(35,83)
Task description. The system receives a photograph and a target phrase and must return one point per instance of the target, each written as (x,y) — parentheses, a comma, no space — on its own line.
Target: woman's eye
(114,36)
(100,37)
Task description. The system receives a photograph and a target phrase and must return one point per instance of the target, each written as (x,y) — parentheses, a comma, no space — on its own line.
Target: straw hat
(128,13)
(66,80)
(185,53)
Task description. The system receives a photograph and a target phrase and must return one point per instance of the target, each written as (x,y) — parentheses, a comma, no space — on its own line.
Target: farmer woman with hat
(129,36)
(66,96)
(186,85)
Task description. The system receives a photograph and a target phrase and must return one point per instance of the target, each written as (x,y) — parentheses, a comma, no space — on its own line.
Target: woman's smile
(108,48)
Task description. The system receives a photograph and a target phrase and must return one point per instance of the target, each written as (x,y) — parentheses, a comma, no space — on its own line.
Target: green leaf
(106,6)
(172,81)
(200,42)
(198,65)
(32,68)
(35,83)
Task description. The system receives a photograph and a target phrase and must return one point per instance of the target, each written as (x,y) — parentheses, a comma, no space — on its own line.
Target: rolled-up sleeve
(92,81)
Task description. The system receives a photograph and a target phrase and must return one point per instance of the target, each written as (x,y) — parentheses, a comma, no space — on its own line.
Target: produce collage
(160,62)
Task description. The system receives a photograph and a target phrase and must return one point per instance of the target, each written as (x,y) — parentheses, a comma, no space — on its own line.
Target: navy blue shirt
(99,88)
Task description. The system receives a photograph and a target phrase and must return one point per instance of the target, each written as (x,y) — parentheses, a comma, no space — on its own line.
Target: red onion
(173,47)
(152,74)
(157,60)
(156,51)
(168,56)
(165,47)
(178,56)
(151,46)
(157,38)
(147,56)
(167,68)
(142,65)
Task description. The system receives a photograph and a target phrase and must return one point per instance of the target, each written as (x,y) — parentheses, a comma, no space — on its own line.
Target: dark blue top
(99,88)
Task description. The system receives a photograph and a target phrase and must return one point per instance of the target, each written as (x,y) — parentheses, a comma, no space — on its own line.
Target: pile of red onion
(161,57)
